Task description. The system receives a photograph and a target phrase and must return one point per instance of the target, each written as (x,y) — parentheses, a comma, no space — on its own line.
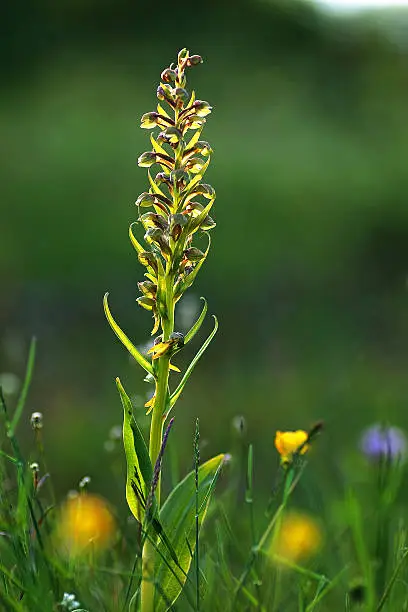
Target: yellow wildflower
(289,442)
(299,537)
(85,524)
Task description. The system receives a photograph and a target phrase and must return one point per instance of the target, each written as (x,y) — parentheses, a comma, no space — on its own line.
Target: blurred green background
(309,264)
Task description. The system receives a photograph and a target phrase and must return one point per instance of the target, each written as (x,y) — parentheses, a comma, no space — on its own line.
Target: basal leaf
(139,468)
(146,365)
(177,517)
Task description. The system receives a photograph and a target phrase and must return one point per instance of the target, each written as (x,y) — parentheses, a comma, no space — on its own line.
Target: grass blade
(24,391)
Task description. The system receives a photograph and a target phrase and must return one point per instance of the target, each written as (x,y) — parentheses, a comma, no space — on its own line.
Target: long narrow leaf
(176,394)
(194,329)
(212,486)
(136,244)
(139,468)
(156,146)
(24,390)
(178,519)
(155,188)
(124,339)
(391,582)
(161,111)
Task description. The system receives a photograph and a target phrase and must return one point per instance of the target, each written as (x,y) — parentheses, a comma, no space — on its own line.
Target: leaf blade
(178,518)
(138,463)
(176,394)
(24,391)
(196,326)
(146,365)
(135,243)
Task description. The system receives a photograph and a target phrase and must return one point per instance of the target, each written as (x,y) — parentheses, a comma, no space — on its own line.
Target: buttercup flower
(299,538)
(85,524)
(289,442)
(380,441)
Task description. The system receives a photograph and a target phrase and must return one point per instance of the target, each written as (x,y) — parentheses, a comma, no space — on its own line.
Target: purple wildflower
(381,441)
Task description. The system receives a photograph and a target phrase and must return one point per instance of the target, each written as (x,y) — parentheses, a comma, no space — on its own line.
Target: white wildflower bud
(36,420)
(84,482)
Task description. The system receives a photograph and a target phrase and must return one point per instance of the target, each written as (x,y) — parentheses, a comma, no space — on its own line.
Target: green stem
(289,486)
(276,577)
(156,435)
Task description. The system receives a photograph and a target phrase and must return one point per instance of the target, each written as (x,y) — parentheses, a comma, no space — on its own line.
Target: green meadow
(225,429)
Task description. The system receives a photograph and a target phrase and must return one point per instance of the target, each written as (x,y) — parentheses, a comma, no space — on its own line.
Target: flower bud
(193,254)
(177,222)
(147,159)
(194,165)
(208,223)
(151,219)
(193,60)
(84,483)
(147,259)
(182,55)
(205,190)
(202,108)
(148,288)
(165,92)
(149,120)
(168,75)
(145,199)
(203,147)
(162,177)
(178,219)
(194,122)
(177,340)
(239,424)
(181,93)
(36,420)
(155,234)
(146,302)
(193,209)
(171,135)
